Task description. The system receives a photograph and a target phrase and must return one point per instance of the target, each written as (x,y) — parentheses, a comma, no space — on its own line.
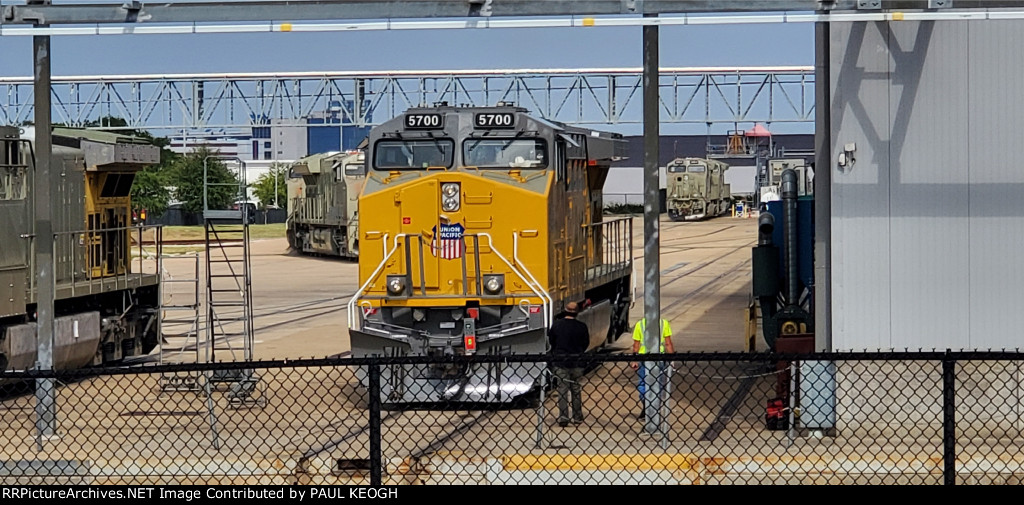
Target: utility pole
(275,168)
(46,395)
(652,212)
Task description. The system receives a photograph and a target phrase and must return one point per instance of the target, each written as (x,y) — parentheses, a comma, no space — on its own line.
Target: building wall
(290,142)
(925,228)
(625,185)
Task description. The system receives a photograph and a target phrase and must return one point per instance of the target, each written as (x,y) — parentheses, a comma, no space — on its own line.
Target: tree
(149,190)
(187,178)
(271,187)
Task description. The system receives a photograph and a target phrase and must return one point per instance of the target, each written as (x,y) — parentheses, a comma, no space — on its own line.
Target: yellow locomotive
(477,226)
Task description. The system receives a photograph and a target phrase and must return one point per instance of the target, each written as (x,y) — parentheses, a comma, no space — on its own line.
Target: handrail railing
(610,244)
(404,240)
(534,286)
(548,303)
(371,278)
(83,256)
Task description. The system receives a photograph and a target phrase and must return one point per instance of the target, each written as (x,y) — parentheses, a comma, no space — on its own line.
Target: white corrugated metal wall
(928,222)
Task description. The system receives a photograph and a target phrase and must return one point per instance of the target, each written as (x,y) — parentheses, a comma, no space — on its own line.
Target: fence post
(376,461)
(949,420)
(212,415)
(540,407)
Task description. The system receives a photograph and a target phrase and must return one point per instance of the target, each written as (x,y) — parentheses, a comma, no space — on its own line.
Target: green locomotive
(696,189)
(107,300)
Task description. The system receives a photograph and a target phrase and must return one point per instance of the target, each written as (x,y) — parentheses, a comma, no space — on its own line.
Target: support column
(818,389)
(652,207)
(46,397)
(822,189)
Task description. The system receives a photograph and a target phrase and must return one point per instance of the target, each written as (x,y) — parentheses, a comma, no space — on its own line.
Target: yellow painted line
(588,21)
(286,27)
(897,16)
(598,462)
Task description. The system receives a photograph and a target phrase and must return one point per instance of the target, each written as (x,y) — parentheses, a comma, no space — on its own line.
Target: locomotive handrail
(615,242)
(352,302)
(119,269)
(528,278)
(548,303)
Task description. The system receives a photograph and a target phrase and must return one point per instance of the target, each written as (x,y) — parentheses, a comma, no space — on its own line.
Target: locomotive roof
(601,145)
(107,150)
(311,164)
(690,159)
(80,134)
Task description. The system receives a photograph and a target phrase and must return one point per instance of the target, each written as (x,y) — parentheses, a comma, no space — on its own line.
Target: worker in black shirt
(569,336)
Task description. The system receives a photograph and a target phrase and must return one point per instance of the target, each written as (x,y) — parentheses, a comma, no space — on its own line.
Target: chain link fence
(866,418)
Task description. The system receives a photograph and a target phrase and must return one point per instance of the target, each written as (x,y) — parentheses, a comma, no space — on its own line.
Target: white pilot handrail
(537,289)
(550,308)
(359,292)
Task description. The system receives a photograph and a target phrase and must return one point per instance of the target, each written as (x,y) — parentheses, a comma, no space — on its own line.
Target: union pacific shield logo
(447,242)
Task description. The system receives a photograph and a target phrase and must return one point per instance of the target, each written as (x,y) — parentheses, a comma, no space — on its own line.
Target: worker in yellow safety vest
(639,348)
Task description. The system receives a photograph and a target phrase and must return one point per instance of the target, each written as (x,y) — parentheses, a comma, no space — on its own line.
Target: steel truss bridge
(703,96)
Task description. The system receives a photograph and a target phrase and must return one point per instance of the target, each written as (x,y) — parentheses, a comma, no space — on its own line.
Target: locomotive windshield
(676,168)
(695,168)
(505,153)
(413,154)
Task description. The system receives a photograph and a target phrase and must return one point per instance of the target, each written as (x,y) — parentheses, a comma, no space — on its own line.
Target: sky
(719,45)
(508,48)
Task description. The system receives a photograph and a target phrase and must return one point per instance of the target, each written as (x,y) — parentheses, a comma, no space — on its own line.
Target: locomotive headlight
(494,284)
(450,196)
(450,203)
(396,285)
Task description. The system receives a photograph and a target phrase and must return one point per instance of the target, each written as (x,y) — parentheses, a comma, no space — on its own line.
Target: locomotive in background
(696,189)
(104,311)
(323,211)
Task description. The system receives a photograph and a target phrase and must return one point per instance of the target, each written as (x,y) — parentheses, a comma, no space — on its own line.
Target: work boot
(563,422)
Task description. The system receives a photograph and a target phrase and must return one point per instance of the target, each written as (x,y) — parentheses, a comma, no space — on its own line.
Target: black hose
(765,227)
(789,194)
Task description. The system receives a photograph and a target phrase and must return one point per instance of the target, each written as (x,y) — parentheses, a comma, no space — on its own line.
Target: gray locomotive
(103,311)
(696,188)
(323,193)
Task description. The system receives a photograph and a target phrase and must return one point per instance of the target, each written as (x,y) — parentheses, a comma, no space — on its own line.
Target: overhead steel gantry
(42,15)
(133,12)
(700,96)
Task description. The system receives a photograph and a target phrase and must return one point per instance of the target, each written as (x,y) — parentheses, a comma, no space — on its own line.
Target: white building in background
(257,148)
(625,185)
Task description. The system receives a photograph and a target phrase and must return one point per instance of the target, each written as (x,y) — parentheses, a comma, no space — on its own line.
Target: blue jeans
(659,370)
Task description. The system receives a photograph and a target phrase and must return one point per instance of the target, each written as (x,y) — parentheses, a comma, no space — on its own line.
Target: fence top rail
(684,357)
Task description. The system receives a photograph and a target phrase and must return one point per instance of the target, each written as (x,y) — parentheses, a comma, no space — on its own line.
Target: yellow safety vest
(638,334)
